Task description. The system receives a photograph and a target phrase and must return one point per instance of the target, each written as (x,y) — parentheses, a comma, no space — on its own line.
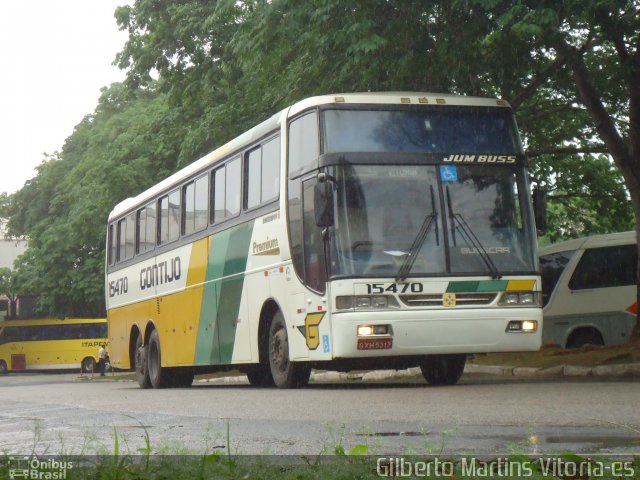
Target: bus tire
(285,373)
(443,369)
(3,367)
(140,366)
(260,375)
(88,365)
(157,377)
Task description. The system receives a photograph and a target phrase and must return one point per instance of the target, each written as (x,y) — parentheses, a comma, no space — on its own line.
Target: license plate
(374,343)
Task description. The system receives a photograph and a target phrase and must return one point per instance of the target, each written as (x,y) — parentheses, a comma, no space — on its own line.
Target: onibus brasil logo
(34,468)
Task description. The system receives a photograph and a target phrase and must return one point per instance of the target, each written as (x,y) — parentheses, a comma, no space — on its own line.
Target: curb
(622,370)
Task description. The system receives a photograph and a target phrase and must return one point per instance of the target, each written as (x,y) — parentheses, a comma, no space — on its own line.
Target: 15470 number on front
(376,288)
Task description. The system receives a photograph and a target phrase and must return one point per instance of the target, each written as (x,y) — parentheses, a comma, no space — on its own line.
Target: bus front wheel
(285,373)
(3,367)
(443,369)
(88,365)
(142,374)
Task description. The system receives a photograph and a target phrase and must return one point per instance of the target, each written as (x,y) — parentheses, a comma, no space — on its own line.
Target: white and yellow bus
(347,231)
(69,344)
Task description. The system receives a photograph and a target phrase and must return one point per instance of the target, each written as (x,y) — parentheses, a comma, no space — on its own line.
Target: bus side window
(112,244)
(145,228)
(232,188)
(270,170)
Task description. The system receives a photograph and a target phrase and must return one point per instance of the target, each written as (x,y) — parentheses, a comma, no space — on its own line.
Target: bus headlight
(366,302)
(368,330)
(520,299)
(525,326)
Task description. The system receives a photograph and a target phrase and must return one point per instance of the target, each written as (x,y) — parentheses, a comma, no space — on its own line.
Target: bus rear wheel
(285,373)
(3,367)
(142,374)
(88,365)
(443,369)
(154,362)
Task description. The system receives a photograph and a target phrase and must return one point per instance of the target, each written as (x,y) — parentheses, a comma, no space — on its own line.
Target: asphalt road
(69,414)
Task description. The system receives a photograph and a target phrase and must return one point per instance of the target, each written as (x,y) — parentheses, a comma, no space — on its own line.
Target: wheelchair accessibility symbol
(448,173)
(449,300)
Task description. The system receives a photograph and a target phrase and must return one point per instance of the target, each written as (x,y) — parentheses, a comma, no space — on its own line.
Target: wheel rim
(280,350)
(140,360)
(87,365)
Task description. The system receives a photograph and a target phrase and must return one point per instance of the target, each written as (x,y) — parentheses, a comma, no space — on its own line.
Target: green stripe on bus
(222,294)
(477,286)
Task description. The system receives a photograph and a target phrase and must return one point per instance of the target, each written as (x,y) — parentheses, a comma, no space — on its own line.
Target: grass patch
(588,356)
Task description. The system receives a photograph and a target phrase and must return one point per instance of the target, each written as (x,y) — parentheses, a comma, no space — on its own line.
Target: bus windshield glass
(474,216)
(427,130)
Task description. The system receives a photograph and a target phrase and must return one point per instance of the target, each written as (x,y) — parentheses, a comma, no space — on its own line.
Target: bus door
(315,324)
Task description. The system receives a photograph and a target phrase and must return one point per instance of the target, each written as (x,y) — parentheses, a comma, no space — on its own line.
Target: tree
(7,288)
(201,72)
(595,46)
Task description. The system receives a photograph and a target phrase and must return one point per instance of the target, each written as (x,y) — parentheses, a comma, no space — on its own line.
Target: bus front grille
(437,300)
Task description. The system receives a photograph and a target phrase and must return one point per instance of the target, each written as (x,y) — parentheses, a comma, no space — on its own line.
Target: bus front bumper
(434,332)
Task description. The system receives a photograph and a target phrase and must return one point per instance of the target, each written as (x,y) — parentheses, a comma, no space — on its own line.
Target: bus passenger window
(253,176)
(163,221)
(125,238)
(146,228)
(232,197)
(174,215)
(188,208)
(112,244)
(270,170)
(218,209)
(201,203)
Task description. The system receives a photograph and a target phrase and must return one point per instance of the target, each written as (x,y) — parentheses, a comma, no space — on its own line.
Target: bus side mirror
(540,210)
(323,204)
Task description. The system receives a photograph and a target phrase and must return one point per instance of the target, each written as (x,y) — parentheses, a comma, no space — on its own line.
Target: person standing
(102,357)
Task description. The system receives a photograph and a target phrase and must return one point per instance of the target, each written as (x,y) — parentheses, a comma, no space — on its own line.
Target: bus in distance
(48,344)
(364,230)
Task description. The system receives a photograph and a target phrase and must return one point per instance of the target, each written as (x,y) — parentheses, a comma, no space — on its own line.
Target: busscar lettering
(491,159)
(490,250)
(160,273)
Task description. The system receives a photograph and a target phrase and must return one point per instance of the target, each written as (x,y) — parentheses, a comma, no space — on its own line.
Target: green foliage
(199,73)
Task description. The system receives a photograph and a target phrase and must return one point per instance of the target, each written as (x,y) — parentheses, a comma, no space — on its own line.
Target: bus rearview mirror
(540,210)
(323,204)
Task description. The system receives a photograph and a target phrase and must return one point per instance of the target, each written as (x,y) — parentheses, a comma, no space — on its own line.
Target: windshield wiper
(458,222)
(410,258)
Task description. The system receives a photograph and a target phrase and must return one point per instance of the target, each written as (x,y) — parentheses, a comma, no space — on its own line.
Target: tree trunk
(625,155)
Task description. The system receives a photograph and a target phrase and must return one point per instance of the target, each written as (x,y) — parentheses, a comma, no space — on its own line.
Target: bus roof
(375,98)
(593,241)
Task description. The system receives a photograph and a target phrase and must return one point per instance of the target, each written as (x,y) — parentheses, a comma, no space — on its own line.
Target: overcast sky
(56,55)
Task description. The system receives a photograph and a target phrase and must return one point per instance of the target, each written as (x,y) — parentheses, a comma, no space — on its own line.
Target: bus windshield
(477,219)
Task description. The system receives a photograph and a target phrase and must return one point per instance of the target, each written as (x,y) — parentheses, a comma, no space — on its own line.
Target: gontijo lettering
(160,273)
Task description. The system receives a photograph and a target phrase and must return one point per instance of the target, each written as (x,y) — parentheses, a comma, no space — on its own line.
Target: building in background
(10,249)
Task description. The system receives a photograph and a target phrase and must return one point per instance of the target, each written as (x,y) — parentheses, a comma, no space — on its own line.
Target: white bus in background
(589,290)
(347,231)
